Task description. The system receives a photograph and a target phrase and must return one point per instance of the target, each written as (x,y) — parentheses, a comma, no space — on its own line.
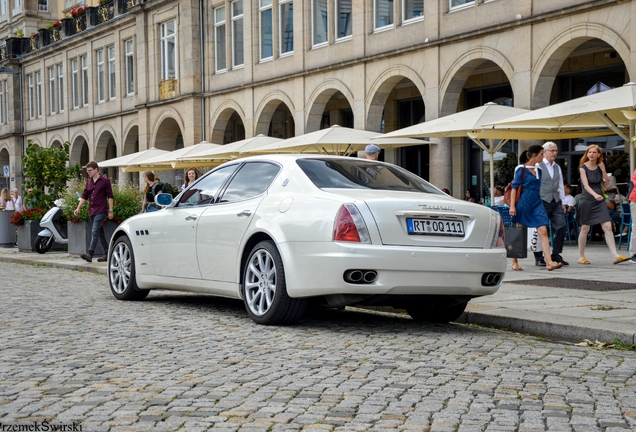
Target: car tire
(440,312)
(265,291)
(43,244)
(121,271)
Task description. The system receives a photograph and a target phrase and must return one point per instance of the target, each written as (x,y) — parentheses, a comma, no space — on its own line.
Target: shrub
(126,202)
(18,218)
(46,174)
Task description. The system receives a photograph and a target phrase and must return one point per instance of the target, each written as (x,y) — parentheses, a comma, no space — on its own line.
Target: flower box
(7,230)
(27,233)
(79,237)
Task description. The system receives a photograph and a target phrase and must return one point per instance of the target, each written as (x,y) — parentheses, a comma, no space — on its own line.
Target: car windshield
(356,173)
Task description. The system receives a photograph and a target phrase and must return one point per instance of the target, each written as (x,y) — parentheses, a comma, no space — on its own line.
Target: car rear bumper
(317,268)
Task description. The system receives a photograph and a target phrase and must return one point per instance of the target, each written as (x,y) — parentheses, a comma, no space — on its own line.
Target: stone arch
(382,87)
(455,78)
(318,101)
(221,118)
(131,138)
(268,107)
(106,145)
(547,66)
(56,141)
(168,126)
(5,159)
(80,152)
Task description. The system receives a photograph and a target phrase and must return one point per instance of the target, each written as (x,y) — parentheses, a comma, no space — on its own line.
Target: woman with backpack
(153,188)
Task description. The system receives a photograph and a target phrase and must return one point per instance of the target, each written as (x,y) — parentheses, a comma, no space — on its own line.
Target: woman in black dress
(592,207)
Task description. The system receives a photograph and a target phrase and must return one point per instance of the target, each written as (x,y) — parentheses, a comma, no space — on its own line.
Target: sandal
(517,268)
(620,259)
(554,265)
(584,261)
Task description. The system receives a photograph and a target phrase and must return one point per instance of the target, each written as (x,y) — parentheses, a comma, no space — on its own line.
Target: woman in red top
(632,209)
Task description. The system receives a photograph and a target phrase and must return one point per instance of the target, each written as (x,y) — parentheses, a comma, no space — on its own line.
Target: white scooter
(53,230)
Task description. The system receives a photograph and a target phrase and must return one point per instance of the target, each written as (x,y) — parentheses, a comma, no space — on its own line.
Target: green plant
(126,202)
(46,173)
(19,32)
(618,165)
(505,169)
(619,345)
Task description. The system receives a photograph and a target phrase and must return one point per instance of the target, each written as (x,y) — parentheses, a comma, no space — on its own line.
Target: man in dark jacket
(99,193)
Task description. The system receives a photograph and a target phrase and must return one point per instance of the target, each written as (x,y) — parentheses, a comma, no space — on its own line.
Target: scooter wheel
(43,244)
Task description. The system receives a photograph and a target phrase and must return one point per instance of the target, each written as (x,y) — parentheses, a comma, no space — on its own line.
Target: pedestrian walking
(372,152)
(632,208)
(190,176)
(552,194)
(529,211)
(153,188)
(592,207)
(99,193)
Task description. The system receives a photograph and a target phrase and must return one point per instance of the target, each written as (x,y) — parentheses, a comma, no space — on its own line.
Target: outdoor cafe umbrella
(225,152)
(167,161)
(472,123)
(335,140)
(128,159)
(614,109)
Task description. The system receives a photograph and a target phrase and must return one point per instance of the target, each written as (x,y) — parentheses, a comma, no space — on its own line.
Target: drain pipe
(202,59)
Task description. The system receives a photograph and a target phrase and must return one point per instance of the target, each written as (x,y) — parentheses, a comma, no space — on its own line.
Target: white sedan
(280,231)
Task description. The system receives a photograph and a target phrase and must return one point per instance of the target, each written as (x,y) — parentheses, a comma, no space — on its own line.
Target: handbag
(508,190)
(516,241)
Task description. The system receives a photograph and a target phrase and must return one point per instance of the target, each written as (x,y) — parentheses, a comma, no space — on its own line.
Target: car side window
(205,190)
(252,180)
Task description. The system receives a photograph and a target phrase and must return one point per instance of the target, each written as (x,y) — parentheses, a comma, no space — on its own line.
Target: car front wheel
(121,272)
(265,290)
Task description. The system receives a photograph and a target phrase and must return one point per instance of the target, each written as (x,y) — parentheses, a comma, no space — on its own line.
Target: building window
(111,72)
(266,29)
(219,39)
(31,101)
(18,7)
(130,67)
(383,12)
(43,5)
(458,3)
(38,93)
(3,7)
(101,94)
(3,89)
(344,16)
(319,22)
(60,87)
(75,84)
(52,79)
(84,60)
(168,51)
(412,9)
(237,33)
(286,26)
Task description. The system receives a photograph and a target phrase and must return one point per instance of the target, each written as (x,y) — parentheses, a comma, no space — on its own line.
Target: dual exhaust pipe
(360,276)
(491,279)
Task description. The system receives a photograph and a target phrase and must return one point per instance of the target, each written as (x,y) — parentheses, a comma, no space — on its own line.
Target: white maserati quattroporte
(282,231)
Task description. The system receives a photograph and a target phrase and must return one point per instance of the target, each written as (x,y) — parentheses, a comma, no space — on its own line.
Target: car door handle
(192,217)
(244,213)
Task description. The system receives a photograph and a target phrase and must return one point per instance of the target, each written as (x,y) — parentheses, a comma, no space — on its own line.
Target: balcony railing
(168,88)
(52,35)
(75,25)
(32,43)
(3,52)
(127,4)
(102,13)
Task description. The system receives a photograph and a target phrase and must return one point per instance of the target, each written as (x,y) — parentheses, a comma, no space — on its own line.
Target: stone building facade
(168,73)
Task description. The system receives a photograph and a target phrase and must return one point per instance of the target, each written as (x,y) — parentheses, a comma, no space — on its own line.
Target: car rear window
(362,174)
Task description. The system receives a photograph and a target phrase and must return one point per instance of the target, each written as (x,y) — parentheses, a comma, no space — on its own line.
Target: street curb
(552,326)
(91,268)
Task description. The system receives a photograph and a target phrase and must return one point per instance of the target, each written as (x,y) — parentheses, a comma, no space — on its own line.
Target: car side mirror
(163,199)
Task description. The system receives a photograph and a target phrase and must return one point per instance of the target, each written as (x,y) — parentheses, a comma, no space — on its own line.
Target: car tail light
(498,238)
(349,225)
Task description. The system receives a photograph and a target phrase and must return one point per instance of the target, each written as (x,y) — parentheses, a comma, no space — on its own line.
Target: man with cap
(372,152)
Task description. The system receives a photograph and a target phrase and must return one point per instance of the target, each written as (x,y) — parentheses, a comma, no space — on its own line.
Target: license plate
(439,227)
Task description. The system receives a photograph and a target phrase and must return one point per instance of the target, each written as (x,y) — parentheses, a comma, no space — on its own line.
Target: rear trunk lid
(421,219)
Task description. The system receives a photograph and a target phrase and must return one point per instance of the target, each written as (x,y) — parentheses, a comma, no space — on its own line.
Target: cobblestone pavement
(71,353)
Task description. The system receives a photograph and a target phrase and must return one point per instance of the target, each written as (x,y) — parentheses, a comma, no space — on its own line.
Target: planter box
(79,237)
(28,233)
(7,231)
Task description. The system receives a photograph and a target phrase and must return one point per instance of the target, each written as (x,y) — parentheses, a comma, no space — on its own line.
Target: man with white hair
(553,194)
(372,152)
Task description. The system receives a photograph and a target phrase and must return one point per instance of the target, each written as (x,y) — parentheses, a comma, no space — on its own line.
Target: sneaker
(87,257)
(633,259)
(540,263)
(102,258)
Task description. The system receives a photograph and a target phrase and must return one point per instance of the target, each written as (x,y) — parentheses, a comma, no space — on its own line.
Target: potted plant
(46,176)
(126,203)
